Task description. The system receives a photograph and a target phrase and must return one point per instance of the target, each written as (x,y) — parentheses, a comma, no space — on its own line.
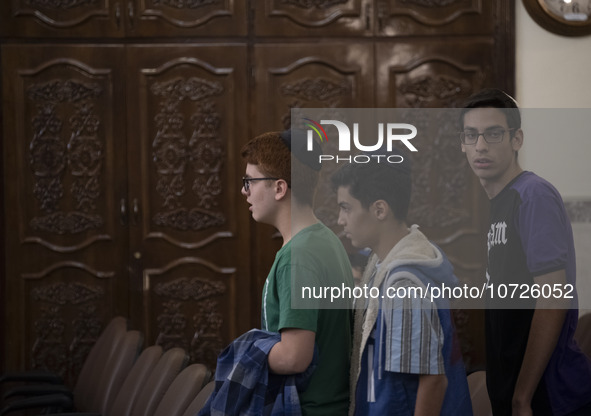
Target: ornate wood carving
(430,14)
(59,346)
(59,4)
(315,92)
(318,4)
(67,293)
(432,3)
(87,328)
(174,155)
(321,89)
(420,91)
(207,342)
(50,350)
(196,288)
(50,158)
(173,323)
(185,4)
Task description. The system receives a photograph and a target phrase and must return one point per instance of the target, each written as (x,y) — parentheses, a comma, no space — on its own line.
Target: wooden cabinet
(122,128)
(73,19)
(124,198)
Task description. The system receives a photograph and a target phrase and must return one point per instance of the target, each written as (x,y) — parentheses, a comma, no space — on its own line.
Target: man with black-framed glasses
(311,253)
(533,364)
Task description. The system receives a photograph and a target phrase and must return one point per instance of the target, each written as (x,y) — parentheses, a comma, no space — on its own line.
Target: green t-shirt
(316,255)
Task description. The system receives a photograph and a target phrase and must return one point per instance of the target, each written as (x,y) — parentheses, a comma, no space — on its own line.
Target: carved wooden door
(122,18)
(188,222)
(64,153)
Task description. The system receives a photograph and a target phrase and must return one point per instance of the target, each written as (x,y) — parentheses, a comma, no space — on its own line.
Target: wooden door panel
(312,75)
(62,18)
(158,18)
(313,17)
(424,74)
(66,248)
(436,17)
(192,228)
(188,304)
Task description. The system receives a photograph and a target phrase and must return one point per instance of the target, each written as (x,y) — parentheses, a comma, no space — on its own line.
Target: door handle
(136,211)
(123,211)
(131,13)
(118,15)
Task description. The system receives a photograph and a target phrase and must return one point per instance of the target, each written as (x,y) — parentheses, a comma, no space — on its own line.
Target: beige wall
(555,72)
(552,71)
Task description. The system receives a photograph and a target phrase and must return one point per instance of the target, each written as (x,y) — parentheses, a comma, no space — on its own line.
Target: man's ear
(280,189)
(517,140)
(380,209)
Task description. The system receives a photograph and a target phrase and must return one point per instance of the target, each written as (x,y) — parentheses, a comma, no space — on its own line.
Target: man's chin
(355,243)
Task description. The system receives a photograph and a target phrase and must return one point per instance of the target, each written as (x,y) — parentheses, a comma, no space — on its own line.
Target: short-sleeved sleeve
(291,317)
(413,335)
(542,225)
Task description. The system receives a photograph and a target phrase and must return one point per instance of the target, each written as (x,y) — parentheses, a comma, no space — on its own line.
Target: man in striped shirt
(406,359)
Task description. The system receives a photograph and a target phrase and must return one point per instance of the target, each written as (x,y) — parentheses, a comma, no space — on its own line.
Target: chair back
(183,390)
(200,400)
(94,364)
(169,365)
(134,382)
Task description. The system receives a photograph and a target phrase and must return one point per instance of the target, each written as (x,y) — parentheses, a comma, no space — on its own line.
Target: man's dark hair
(370,182)
(495,98)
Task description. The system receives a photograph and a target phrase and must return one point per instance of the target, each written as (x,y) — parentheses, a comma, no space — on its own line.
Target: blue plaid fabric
(244,385)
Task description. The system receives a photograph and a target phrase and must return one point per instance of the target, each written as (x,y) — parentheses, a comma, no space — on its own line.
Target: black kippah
(296,142)
(404,167)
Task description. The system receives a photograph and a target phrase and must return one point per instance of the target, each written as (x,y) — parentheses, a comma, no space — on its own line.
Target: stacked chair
(117,379)
(199,400)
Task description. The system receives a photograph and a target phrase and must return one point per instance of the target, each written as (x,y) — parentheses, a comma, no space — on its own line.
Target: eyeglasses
(490,136)
(246,181)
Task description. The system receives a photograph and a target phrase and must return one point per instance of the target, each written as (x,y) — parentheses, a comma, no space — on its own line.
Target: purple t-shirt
(530,235)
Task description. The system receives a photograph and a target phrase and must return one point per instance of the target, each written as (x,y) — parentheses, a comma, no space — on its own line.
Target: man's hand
(294,353)
(521,408)
(546,326)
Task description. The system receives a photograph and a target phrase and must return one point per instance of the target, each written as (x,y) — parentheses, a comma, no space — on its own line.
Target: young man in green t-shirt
(310,252)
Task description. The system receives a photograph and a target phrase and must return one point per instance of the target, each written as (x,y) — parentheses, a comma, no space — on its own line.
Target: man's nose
(481,144)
